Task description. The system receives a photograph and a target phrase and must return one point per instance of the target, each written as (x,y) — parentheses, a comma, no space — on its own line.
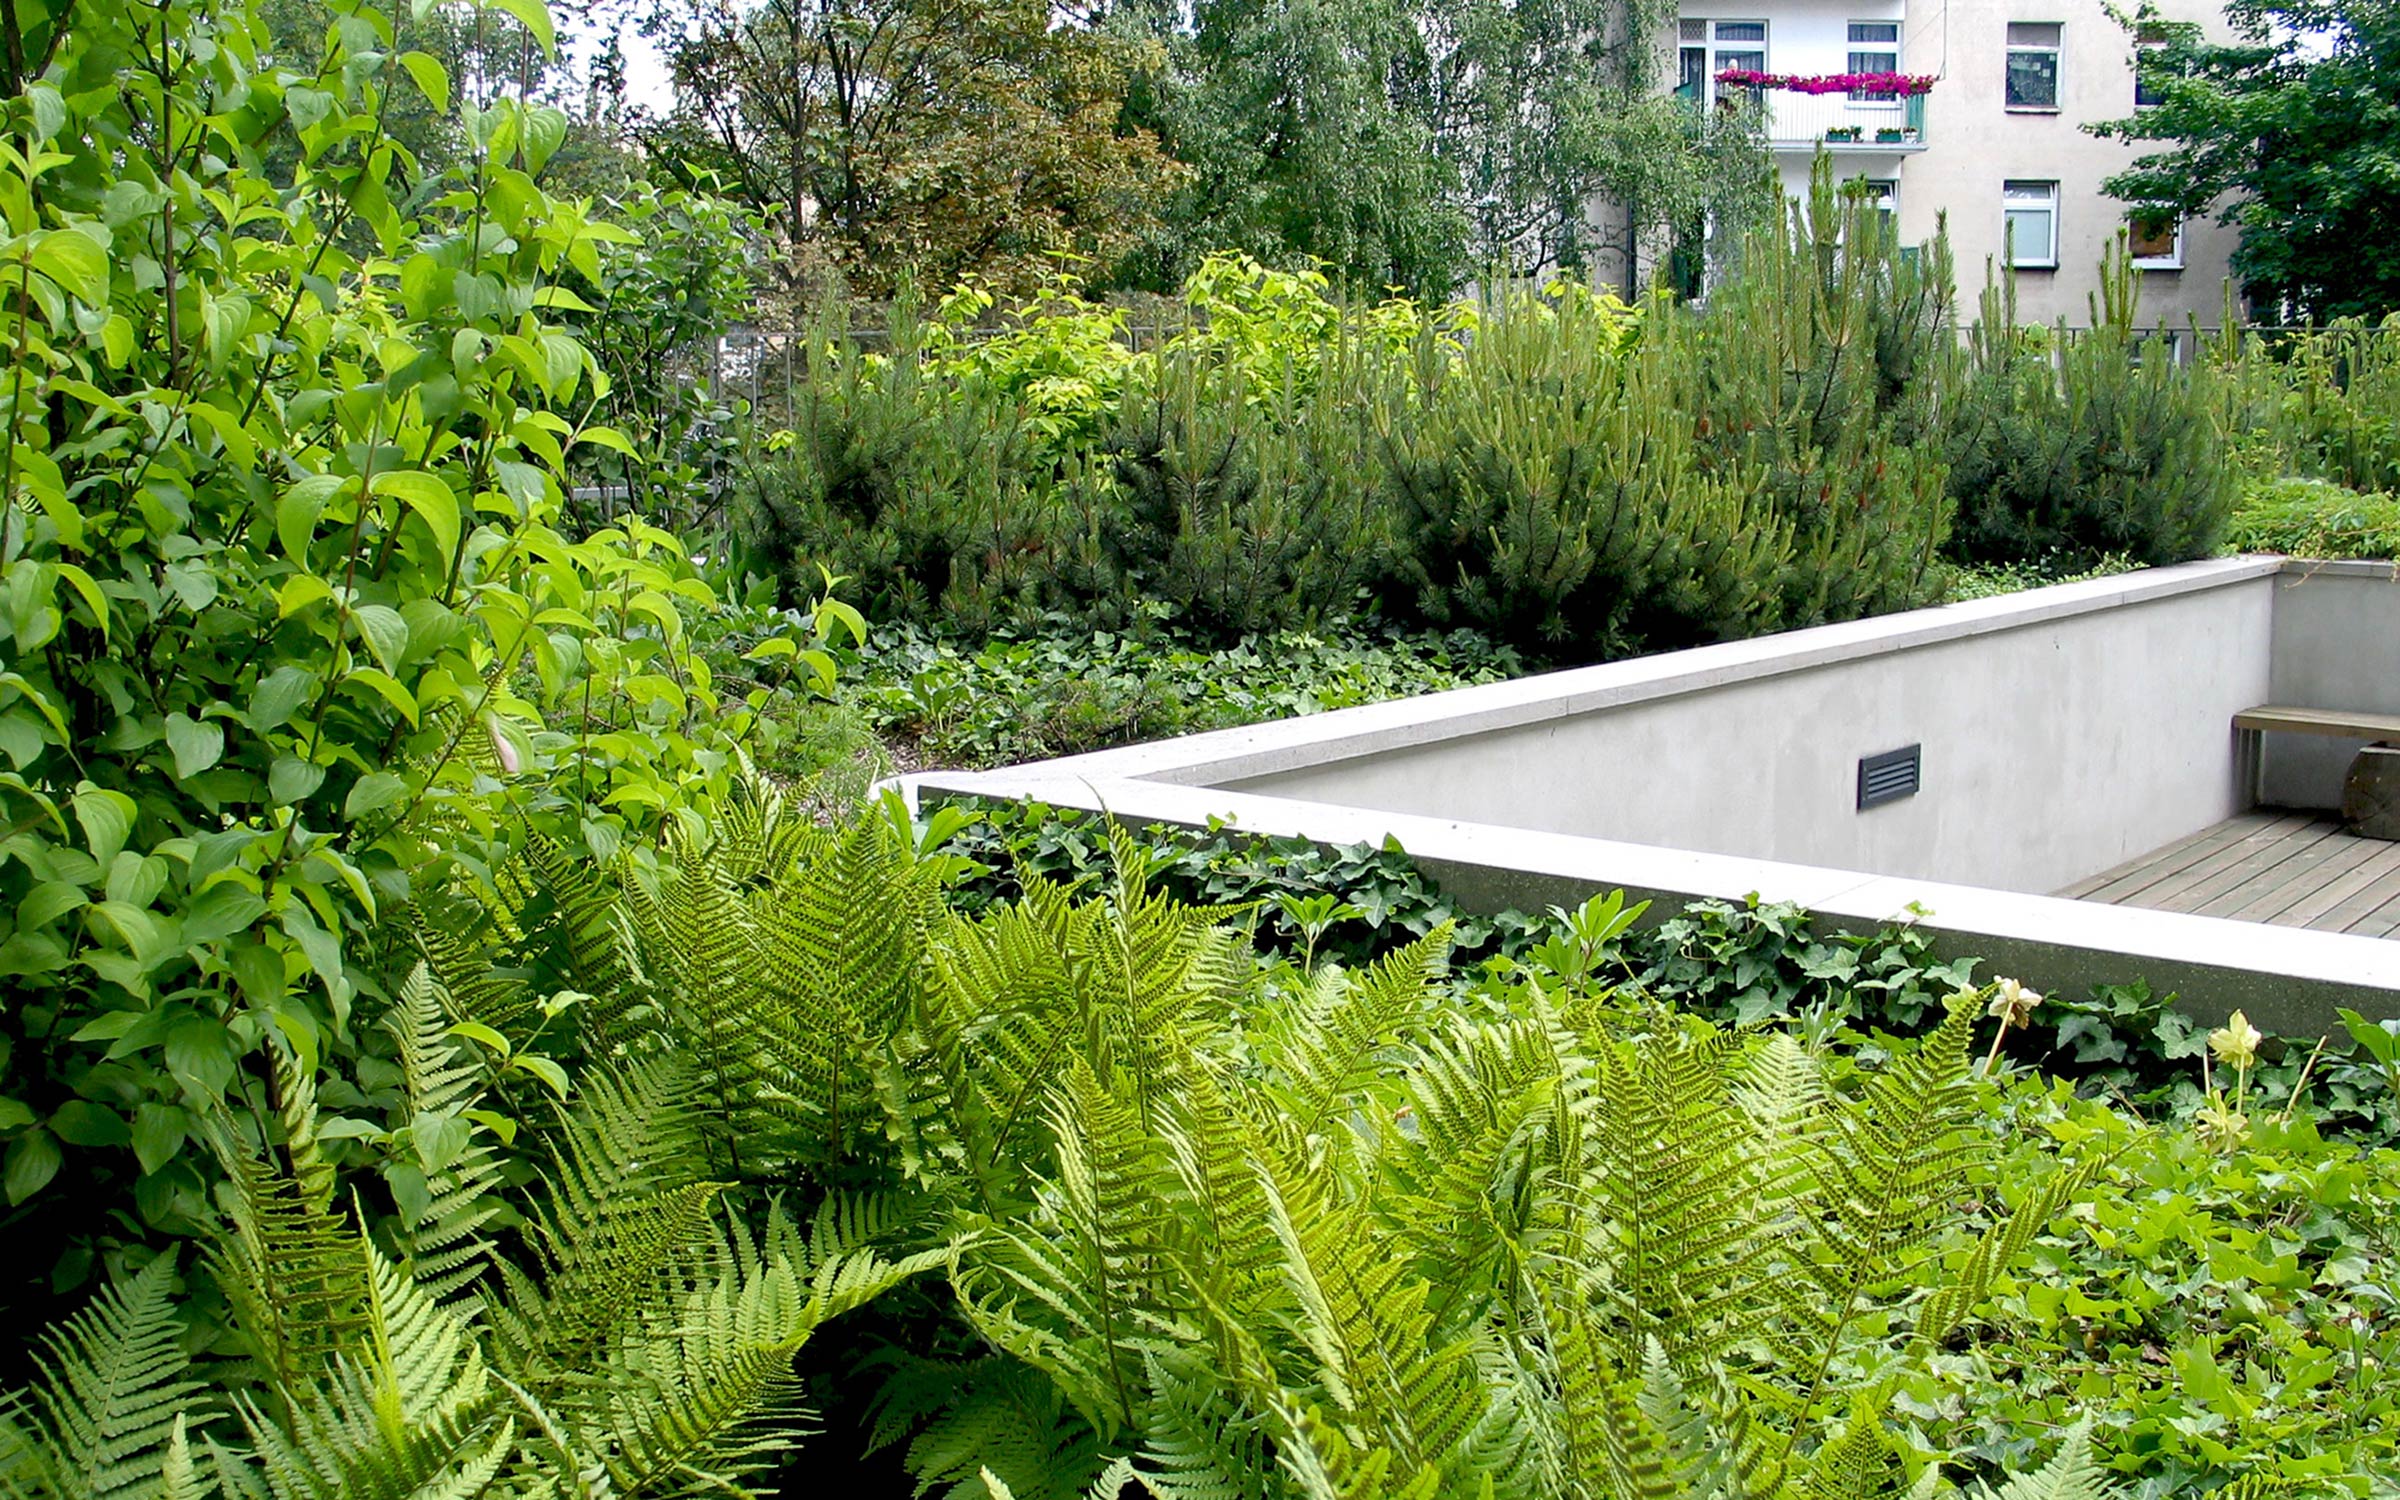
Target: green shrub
(294,625)
(2341,406)
(2315,518)
(913,483)
(1822,365)
(2086,446)
(1545,486)
(1242,510)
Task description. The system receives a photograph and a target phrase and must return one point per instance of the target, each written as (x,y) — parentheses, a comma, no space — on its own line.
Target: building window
(1708,48)
(1874,48)
(1691,62)
(2032,224)
(2150,43)
(1882,194)
(2033,65)
(1738,44)
(2155,241)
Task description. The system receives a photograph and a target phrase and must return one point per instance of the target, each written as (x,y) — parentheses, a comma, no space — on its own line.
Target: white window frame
(1717,48)
(2171,261)
(1853,46)
(2055,51)
(2029,194)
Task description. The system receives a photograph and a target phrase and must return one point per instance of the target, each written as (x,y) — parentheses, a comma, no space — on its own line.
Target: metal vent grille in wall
(1890,776)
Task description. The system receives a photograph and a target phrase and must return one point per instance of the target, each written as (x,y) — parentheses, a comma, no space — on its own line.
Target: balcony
(1793,121)
(1842,124)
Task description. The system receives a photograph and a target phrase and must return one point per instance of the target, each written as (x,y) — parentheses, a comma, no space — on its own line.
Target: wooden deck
(2295,869)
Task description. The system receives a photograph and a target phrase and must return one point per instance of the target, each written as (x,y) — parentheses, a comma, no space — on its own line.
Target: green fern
(288,1264)
(442,1231)
(2073,1473)
(107,1418)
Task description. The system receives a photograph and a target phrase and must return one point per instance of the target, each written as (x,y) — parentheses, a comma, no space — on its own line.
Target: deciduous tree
(943,136)
(2297,124)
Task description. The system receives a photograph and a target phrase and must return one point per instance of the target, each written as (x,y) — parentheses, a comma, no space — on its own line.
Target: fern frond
(2073,1473)
(1965,1288)
(622,1201)
(1470,1170)
(999,1416)
(1679,1248)
(104,1419)
(841,945)
(1076,1290)
(1198,1441)
(694,1390)
(1628,1437)
(1326,1463)
(442,1232)
(410,1410)
(590,942)
(1858,1463)
(288,1265)
(1327,1049)
(1362,1319)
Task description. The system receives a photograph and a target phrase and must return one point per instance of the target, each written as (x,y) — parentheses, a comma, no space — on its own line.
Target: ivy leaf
(196,744)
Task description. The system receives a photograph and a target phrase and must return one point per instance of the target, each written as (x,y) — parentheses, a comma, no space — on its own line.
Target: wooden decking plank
(2164,861)
(2265,897)
(2132,880)
(2381,919)
(2171,887)
(2289,869)
(2255,861)
(2317,910)
(2363,898)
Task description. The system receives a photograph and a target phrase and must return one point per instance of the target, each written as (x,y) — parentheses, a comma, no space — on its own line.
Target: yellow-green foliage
(2315,518)
(1206,1229)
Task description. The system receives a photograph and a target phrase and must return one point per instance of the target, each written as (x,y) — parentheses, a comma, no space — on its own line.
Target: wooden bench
(2339,723)
(2335,723)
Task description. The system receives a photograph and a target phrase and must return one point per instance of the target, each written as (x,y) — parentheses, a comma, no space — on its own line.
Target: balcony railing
(1841,123)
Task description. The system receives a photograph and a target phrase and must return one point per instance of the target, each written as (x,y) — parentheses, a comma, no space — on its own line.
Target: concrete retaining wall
(2065,730)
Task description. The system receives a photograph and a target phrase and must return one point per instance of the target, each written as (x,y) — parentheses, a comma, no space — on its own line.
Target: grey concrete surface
(2065,731)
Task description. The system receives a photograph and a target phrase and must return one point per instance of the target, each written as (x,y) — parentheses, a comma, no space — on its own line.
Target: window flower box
(1841,133)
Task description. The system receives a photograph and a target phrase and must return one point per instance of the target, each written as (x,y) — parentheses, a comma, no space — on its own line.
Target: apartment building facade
(1997,144)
